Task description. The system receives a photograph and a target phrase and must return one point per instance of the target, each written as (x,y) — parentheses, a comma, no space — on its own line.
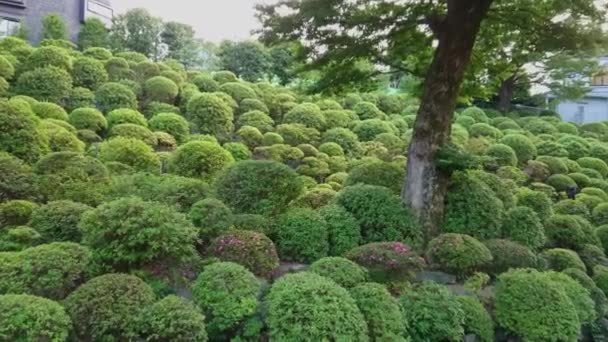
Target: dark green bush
(315,198)
(556,165)
(458,253)
(206,84)
(89,73)
(472,208)
(133,131)
(172,319)
(303,306)
(129,151)
(537,201)
(227,294)
(301,235)
(108,307)
(503,154)
(571,207)
(381,311)
(211,216)
(424,322)
(343,137)
(343,271)
(258,186)
(522,224)
(367,130)
(21,132)
(477,320)
(523,147)
(561,182)
(159,232)
(49,56)
(593,255)
(238,151)
(199,159)
(367,110)
(58,220)
(112,95)
(296,134)
(31,318)
(559,259)
(251,249)
(307,114)
(238,91)
(567,231)
(600,277)
(160,89)
(343,231)
(378,173)
(551,149)
(16,178)
(210,115)
(88,118)
(387,261)
(53,270)
(16,212)
(508,254)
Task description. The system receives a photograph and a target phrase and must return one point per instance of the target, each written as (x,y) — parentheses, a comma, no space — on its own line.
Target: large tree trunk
(425,186)
(505,94)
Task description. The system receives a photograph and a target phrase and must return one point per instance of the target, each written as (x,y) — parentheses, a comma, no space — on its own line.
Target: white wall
(584,110)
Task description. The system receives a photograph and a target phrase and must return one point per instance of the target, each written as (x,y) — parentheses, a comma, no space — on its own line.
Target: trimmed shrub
(160,89)
(258,186)
(301,235)
(199,159)
(472,208)
(251,249)
(367,130)
(380,214)
(315,198)
(249,105)
(367,110)
(534,307)
(88,118)
(387,261)
(571,207)
(561,182)
(303,306)
(343,231)
(337,118)
(378,173)
(58,220)
(523,147)
(227,294)
(16,212)
(16,178)
(559,259)
(61,139)
(172,319)
(49,56)
(21,133)
(52,270)
(238,151)
(158,231)
(238,91)
(112,95)
(125,115)
(257,119)
(503,154)
(537,201)
(600,277)
(224,76)
(7,70)
(48,110)
(592,255)
(595,164)
(31,318)
(210,115)
(343,271)
(250,136)
(132,152)
(211,216)
(458,253)
(297,134)
(476,113)
(89,73)
(108,306)
(477,320)
(171,123)
(381,311)
(206,84)
(522,224)
(508,254)
(307,114)
(567,232)
(343,137)
(134,131)
(556,165)
(432,325)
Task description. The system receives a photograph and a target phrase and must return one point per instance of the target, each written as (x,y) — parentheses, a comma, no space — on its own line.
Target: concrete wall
(584,110)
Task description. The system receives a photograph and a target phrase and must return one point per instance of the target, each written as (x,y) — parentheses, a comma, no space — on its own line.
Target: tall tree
(53,27)
(137,30)
(248,59)
(179,39)
(93,33)
(388,33)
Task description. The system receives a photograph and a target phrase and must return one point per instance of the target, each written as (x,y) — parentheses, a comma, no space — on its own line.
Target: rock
(436,276)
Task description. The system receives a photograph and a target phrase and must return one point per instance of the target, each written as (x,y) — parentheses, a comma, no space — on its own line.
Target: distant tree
(53,27)
(205,56)
(282,62)
(137,30)
(93,34)
(249,60)
(179,41)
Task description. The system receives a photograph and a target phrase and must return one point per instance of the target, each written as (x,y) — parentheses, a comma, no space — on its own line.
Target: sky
(213,20)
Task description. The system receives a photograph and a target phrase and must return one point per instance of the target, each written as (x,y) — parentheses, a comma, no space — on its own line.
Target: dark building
(30,13)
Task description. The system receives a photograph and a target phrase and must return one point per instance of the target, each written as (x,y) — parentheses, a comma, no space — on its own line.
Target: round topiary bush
(251,249)
(16,178)
(595,164)
(199,159)
(559,259)
(571,207)
(367,130)
(343,231)
(507,254)
(303,306)
(7,70)
(31,318)
(523,147)
(522,224)
(89,73)
(128,130)
(206,84)
(227,294)
(476,113)
(158,231)
(132,152)
(458,253)
(472,208)
(537,201)
(160,89)
(16,212)
(381,311)
(391,221)
(88,118)
(378,173)
(112,95)
(343,137)
(58,220)
(172,319)
(561,182)
(125,115)
(108,306)
(532,306)
(432,325)
(567,231)
(387,261)
(343,271)
(258,186)
(21,133)
(260,120)
(307,114)
(51,270)
(555,165)
(171,123)
(210,115)
(301,235)
(503,154)
(367,110)
(477,320)
(211,216)
(49,110)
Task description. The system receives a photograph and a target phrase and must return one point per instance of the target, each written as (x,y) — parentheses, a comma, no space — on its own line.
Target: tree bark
(425,186)
(505,94)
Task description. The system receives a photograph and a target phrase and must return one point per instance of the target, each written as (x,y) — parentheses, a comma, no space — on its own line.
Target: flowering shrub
(251,249)
(387,260)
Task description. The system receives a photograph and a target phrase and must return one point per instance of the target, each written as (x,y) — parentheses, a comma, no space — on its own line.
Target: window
(95,9)
(8,27)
